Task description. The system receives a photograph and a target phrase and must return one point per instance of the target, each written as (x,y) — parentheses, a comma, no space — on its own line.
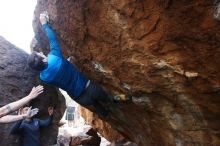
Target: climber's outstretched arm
(54,44)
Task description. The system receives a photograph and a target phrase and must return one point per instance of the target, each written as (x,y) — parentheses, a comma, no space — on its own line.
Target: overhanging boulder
(165,53)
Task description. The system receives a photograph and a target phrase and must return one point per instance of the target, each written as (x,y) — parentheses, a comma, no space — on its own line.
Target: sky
(16,22)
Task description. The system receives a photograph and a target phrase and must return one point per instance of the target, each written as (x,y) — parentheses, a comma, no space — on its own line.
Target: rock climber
(56,70)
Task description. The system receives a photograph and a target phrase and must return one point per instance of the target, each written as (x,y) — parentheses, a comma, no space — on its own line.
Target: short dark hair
(36,62)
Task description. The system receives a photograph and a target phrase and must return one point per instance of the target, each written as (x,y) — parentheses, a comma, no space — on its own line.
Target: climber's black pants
(93,95)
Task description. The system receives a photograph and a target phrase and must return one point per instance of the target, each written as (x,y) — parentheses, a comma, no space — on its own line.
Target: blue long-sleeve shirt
(59,71)
(29,130)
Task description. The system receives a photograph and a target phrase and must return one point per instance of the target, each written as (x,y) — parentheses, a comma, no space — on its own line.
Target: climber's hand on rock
(44,17)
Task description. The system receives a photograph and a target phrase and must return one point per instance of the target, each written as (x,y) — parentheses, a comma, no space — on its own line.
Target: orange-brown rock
(91,138)
(163,52)
(104,128)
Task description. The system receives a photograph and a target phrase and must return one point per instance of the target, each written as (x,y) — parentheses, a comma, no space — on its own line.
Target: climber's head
(37,61)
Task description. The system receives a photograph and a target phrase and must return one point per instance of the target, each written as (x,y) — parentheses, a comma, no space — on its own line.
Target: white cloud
(16,22)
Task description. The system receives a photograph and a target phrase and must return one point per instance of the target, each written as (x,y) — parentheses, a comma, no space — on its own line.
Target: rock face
(91,138)
(101,126)
(16,81)
(165,53)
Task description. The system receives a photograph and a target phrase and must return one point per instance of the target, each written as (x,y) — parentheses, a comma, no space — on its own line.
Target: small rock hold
(191,74)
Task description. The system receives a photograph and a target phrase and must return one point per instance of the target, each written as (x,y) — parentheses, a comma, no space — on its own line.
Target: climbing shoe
(122,97)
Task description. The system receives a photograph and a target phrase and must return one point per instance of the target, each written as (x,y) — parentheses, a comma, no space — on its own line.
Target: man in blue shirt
(28,128)
(56,70)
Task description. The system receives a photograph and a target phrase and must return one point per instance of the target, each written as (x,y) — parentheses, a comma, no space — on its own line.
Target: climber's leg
(92,96)
(99,94)
(85,99)
(100,110)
